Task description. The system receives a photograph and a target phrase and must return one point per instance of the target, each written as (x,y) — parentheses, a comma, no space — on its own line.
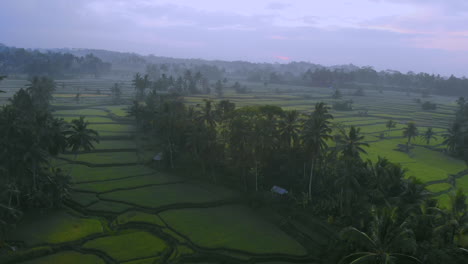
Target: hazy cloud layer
(418,35)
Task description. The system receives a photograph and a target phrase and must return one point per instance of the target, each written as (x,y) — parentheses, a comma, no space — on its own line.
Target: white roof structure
(158,157)
(279,190)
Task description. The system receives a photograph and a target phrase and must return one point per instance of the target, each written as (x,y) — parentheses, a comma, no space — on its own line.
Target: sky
(406,35)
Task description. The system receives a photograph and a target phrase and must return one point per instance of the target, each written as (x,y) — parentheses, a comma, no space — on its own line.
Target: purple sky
(418,35)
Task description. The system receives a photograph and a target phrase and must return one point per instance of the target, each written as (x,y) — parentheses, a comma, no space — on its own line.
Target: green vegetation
(109,157)
(129,245)
(69,257)
(354,172)
(54,227)
(140,181)
(83,173)
(113,207)
(157,196)
(134,216)
(235,227)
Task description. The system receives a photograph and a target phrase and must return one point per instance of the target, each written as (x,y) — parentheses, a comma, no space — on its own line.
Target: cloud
(278,6)
(403,35)
(284,58)
(278,37)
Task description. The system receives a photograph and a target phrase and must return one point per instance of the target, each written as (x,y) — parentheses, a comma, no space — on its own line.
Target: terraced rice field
(122,211)
(427,162)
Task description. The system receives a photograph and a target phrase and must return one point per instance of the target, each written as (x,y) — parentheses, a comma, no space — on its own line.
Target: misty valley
(208,153)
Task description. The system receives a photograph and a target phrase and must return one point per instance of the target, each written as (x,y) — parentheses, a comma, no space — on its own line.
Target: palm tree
(1,78)
(41,90)
(289,128)
(452,137)
(455,226)
(386,242)
(428,135)
(80,137)
(410,131)
(351,143)
(207,115)
(461,102)
(390,124)
(316,132)
(116,93)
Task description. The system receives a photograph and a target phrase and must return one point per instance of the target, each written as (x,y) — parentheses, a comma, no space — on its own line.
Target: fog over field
(267,131)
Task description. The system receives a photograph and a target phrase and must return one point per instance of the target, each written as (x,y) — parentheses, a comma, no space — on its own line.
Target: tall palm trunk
(310,178)
(256,177)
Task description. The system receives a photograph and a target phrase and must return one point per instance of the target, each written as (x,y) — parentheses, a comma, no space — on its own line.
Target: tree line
(30,140)
(52,64)
(188,83)
(389,215)
(366,76)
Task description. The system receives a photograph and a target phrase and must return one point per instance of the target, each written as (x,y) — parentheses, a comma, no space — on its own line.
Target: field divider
(131,188)
(92,165)
(102,151)
(157,210)
(116,179)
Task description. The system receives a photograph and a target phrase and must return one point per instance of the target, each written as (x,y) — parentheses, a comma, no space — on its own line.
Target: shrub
(429,106)
(359,92)
(343,105)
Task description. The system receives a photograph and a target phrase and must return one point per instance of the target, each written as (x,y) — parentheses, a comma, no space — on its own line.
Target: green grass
(135,216)
(143,261)
(156,178)
(109,157)
(435,188)
(444,201)
(82,112)
(112,128)
(128,246)
(73,95)
(68,257)
(90,119)
(462,183)
(82,173)
(54,227)
(157,196)
(234,227)
(118,110)
(111,207)
(425,164)
(84,199)
(115,144)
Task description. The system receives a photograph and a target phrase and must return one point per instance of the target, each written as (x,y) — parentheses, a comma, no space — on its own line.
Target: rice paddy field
(122,211)
(427,162)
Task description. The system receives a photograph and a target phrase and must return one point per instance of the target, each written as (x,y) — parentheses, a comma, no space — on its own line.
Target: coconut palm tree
(316,132)
(207,115)
(40,90)
(1,78)
(455,226)
(453,137)
(387,241)
(289,128)
(429,135)
(80,137)
(410,131)
(390,124)
(351,143)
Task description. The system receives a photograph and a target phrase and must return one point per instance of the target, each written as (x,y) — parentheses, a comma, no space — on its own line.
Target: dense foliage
(302,73)
(30,138)
(391,216)
(33,62)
